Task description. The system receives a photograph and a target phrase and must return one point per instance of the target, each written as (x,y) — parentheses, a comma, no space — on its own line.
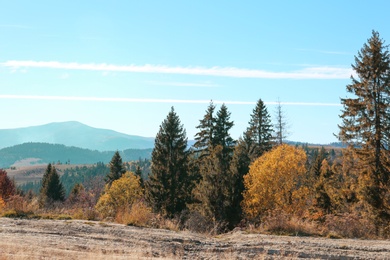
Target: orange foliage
(276,181)
(7,187)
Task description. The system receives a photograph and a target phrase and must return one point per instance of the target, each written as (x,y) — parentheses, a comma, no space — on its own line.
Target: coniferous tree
(52,189)
(213,193)
(316,164)
(239,167)
(138,172)
(205,138)
(260,131)
(222,128)
(365,121)
(117,169)
(256,140)
(167,187)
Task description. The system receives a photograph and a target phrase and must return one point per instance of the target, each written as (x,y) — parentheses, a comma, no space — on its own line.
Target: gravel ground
(76,239)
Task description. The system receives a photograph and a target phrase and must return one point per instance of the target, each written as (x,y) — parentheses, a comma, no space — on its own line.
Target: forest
(256,183)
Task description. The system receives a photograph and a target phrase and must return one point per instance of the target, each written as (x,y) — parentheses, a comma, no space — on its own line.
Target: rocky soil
(76,239)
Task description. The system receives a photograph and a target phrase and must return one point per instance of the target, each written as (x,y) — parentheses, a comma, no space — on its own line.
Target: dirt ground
(76,239)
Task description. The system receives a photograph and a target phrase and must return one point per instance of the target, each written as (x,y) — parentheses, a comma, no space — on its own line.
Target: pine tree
(365,120)
(138,172)
(213,192)
(256,140)
(222,128)
(239,167)
(52,189)
(167,187)
(316,162)
(205,138)
(117,169)
(260,131)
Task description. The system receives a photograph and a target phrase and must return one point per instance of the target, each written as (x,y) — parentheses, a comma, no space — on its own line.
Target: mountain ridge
(74,133)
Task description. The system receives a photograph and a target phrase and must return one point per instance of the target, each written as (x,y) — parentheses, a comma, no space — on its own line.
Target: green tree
(213,192)
(316,162)
(239,167)
(222,135)
(116,168)
(205,138)
(167,187)
(259,131)
(256,140)
(365,121)
(52,189)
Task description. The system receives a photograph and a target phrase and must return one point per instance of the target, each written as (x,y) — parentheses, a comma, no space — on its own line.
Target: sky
(122,65)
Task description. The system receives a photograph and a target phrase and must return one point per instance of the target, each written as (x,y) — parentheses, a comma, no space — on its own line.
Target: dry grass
(281,223)
(9,252)
(139,214)
(349,226)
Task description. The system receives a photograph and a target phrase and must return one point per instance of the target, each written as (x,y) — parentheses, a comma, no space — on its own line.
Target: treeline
(91,176)
(57,153)
(256,182)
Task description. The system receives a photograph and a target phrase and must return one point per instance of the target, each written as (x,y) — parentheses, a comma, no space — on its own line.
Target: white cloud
(306,73)
(325,52)
(183,84)
(15,26)
(153,100)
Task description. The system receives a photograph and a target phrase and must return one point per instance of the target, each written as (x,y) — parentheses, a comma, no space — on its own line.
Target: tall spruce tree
(213,192)
(117,169)
(205,138)
(167,187)
(260,131)
(52,189)
(222,135)
(239,167)
(365,120)
(256,140)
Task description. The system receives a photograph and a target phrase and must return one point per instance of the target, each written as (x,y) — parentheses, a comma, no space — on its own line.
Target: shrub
(7,186)
(349,226)
(281,223)
(138,214)
(276,181)
(120,195)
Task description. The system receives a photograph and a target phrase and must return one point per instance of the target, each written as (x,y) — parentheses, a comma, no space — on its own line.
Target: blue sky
(121,65)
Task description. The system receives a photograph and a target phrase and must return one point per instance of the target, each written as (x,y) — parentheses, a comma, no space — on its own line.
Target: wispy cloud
(15,26)
(153,100)
(306,73)
(183,84)
(325,51)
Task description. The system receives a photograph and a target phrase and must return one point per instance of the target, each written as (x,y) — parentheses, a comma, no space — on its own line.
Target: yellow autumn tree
(120,195)
(276,181)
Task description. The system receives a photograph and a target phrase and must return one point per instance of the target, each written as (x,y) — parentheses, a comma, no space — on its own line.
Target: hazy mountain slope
(74,134)
(46,153)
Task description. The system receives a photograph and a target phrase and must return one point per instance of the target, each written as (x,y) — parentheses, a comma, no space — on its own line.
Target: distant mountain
(43,153)
(74,134)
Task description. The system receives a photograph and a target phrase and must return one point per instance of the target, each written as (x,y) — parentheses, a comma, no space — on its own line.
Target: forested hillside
(45,153)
